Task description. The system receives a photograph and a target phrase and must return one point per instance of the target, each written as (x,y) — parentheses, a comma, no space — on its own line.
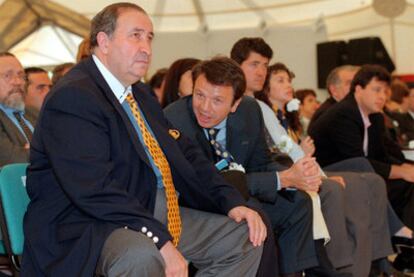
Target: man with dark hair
(114,189)
(355,128)
(349,242)
(338,84)
(37,87)
(230,129)
(15,129)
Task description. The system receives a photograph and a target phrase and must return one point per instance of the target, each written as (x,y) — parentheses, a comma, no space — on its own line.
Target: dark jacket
(89,175)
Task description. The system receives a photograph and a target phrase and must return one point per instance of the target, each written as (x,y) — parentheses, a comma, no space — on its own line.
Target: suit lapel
(12,131)
(237,140)
(107,92)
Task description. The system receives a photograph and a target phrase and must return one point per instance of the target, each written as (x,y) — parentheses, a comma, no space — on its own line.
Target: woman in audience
(60,70)
(308,106)
(178,81)
(276,94)
(157,83)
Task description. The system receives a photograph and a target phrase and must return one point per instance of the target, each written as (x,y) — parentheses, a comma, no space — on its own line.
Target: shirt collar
(9,110)
(221,125)
(365,119)
(116,86)
(411,113)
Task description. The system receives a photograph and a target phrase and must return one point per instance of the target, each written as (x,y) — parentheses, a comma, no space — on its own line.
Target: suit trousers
(216,244)
(292,223)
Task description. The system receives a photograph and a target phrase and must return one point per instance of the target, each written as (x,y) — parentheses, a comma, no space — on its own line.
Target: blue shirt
(9,112)
(121,93)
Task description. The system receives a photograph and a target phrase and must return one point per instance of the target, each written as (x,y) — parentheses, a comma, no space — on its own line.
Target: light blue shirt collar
(116,86)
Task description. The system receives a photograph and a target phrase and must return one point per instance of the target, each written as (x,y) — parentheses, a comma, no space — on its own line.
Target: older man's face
(12,80)
(128,49)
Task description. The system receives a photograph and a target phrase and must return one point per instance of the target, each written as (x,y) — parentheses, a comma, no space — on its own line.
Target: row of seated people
(334,221)
(282,127)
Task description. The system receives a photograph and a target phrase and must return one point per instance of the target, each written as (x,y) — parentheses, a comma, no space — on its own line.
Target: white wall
(294,46)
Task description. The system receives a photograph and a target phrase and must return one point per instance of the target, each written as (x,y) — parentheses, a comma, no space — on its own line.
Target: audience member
(178,82)
(157,83)
(37,87)
(308,106)
(229,128)
(84,50)
(406,120)
(338,84)
(253,55)
(355,128)
(59,71)
(108,171)
(397,101)
(16,130)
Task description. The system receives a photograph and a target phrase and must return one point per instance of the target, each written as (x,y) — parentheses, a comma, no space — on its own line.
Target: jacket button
(149,234)
(155,239)
(144,229)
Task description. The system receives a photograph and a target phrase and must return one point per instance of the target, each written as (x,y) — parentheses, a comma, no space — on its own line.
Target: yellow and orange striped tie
(160,161)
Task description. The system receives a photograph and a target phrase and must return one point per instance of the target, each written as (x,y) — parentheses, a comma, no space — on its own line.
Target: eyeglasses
(9,76)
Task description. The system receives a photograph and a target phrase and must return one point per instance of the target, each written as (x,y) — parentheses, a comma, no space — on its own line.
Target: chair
(13,205)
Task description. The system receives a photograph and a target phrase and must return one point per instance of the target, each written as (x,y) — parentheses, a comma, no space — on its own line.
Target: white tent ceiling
(204,21)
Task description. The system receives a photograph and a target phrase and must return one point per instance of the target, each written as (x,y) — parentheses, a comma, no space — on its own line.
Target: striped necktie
(160,161)
(26,130)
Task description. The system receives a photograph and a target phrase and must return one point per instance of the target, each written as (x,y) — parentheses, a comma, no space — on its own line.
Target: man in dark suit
(37,87)
(338,84)
(15,129)
(406,120)
(217,104)
(355,128)
(107,169)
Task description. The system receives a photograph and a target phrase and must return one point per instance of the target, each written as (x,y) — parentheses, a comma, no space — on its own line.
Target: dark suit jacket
(322,109)
(89,175)
(406,124)
(245,140)
(339,134)
(12,142)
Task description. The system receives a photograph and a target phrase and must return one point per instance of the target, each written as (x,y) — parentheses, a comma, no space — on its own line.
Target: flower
(285,144)
(293,105)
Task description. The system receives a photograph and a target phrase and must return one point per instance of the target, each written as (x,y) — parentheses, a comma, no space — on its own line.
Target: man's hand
(257,229)
(303,175)
(175,264)
(339,180)
(404,171)
(26,146)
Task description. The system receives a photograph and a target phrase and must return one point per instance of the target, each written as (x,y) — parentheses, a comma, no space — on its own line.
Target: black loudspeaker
(369,50)
(330,55)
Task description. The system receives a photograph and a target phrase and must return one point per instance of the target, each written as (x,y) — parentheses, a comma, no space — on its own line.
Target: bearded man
(15,130)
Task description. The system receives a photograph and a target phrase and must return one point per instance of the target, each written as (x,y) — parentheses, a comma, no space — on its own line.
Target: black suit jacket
(406,124)
(245,140)
(322,109)
(89,175)
(339,134)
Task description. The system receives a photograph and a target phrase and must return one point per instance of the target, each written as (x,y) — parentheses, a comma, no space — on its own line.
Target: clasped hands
(304,175)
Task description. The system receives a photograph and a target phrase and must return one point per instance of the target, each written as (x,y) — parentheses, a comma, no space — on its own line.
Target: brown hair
(222,71)
(84,50)
(173,77)
(292,117)
(58,71)
(301,94)
(399,90)
(243,47)
(105,20)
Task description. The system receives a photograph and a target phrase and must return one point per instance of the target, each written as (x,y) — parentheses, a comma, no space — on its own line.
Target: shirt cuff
(278,184)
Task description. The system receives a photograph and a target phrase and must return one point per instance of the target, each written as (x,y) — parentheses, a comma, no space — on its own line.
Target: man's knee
(128,252)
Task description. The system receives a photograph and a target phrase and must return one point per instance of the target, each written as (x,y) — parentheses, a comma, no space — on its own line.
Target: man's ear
(103,42)
(235,105)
